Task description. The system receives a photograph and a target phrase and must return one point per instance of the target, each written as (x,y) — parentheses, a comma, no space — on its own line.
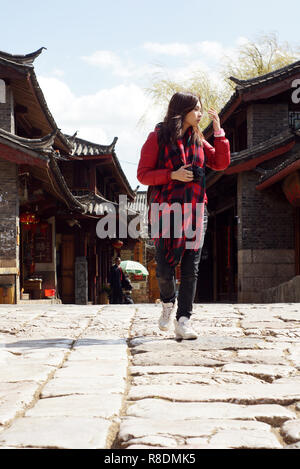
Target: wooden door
(68,269)
(226,250)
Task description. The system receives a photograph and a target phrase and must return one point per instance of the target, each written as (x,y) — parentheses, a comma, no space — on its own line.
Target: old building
(97,180)
(53,191)
(252,246)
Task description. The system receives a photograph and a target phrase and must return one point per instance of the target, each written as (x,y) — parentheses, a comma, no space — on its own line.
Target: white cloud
(58,72)
(108,59)
(189,57)
(101,116)
(206,50)
(125,68)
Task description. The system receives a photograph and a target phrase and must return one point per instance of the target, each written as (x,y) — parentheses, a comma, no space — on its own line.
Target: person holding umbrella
(172,164)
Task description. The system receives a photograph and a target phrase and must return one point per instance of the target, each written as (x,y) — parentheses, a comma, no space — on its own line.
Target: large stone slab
(92,405)
(267,372)
(98,385)
(154,408)
(268,357)
(99,352)
(202,343)
(201,378)
(244,439)
(183,358)
(253,434)
(162,369)
(88,369)
(57,433)
(14,372)
(15,398)
(291,431)
(283,394)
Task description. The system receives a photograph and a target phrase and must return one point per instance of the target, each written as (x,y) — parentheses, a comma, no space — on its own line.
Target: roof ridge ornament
(27,59)
(82,147)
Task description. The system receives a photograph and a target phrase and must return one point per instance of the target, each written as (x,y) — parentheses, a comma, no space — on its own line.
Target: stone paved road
(106,377)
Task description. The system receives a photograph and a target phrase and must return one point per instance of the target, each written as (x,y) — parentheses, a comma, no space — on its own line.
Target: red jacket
(217,158)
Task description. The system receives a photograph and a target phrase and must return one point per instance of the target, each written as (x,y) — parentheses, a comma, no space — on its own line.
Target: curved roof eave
(243,87)
(27,59)
(44,106)
(24,65)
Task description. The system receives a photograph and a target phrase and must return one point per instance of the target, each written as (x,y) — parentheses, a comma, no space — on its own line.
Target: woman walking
(172,163)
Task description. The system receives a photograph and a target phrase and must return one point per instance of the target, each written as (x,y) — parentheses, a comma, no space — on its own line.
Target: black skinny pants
(189,275)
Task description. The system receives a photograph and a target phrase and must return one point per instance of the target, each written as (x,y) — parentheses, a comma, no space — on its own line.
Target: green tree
(256,58)
(163,88)
(253,58)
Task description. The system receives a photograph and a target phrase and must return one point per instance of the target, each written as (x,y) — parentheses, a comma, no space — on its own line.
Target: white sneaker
(166,316)
(183,329)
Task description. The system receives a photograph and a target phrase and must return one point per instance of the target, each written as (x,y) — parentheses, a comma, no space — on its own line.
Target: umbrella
(133,267)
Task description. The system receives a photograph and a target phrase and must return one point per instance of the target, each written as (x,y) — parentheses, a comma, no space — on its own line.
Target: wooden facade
(252,244)
(54,189)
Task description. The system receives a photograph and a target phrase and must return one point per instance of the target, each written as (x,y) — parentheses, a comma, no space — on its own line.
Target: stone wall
(261,269)
(287,292)
(265,218)
(265,120)
(7,112)
(9,225)
(265,238)
(9,207)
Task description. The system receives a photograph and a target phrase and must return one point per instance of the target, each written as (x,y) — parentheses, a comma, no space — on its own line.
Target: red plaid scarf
(186,215)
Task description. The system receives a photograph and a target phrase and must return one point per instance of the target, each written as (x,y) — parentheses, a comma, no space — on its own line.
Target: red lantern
(117,244)
(29,219)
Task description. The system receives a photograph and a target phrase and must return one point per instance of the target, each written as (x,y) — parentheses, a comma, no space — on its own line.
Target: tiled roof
(267,146)
(140,202)
(82,148)
(275,75)
(252,153)
(85,148)
(30,95)
(27,59)
(94,204)
(41,145)
(140,207)
(278,164)
(245,86)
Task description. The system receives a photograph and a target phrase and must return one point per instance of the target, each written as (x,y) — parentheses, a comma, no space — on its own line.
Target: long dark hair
(180,105)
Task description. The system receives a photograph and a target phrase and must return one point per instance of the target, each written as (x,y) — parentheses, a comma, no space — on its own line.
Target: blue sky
(101,55)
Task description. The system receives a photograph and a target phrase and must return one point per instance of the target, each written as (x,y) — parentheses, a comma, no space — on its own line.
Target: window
(294,120)
(2,91)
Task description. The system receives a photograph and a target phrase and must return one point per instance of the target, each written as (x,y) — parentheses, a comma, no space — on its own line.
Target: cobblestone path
(106,377)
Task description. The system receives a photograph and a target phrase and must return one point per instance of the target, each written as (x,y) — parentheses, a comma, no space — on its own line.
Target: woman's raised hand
(182,174)
(215,118)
